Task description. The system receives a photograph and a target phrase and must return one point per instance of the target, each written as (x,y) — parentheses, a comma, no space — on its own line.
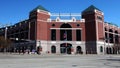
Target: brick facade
(88,35)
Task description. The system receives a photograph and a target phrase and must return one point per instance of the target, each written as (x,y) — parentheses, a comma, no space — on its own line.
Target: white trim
(42,20)
(73,19)
(100,21)
(48,20)
(66,28)
(111,33)
(43,12)
(57,19)
(99,12)
(65,14)
(53,42)
(77,42)
(82,20)
(65,20)
(81,42)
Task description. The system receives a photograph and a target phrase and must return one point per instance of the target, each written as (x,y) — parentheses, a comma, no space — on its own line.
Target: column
(73,35)
(57,34)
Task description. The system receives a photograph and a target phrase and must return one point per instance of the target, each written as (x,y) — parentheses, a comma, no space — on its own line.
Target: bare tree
(4,43)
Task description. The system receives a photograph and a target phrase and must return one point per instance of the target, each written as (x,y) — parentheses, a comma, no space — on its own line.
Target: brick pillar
(114,39)
(57,34)
(73,35)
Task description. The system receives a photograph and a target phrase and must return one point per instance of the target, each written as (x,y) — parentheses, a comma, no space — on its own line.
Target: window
(101,49)
(106,37)
(78,25)
(105,29)
(65,35)
(53,25)
(78,35)
(111,39)
(99,17)
(53,49)
(53,34)
(116,39)
(110,30)
(116,31)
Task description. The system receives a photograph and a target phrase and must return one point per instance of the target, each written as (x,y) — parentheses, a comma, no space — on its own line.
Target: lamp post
(5,32)
(5,35)
(16,39)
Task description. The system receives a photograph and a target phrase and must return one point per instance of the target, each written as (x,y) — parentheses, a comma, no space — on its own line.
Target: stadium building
(65,33)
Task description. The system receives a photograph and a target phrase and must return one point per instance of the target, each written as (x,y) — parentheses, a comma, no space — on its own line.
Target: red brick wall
(73,25)
(100,30)
(41,30)
(90,27)
(42,16)
(42,26)
(100,25)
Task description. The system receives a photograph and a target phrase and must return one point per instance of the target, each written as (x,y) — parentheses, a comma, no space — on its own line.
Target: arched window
(65,25)
(66,33)
(110,30)
(101,49)
(105,29)
(53,34)
(116,31)
(78,35)
(111,38)
(53,49)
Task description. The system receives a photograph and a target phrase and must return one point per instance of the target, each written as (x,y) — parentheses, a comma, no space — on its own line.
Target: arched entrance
(79,50)
(118,50)
(53,49)
(109,50)
(39,49)
(65,48)
(101,49)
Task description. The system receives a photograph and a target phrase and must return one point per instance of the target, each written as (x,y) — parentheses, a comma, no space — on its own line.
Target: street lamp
(5,32)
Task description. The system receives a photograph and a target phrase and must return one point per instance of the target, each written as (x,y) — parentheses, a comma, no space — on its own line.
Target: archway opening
(65,48)
(101,49)
(53,49)
(109,50)
(79,50)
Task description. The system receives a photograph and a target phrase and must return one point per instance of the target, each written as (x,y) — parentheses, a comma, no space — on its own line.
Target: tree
(4,43)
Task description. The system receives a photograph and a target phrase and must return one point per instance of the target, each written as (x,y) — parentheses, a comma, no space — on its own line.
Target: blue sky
(13,11)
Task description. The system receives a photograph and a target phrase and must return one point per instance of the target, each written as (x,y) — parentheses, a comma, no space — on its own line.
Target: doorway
(65,48)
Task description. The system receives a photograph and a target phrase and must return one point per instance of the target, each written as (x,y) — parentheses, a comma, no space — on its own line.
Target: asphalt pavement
(58,61)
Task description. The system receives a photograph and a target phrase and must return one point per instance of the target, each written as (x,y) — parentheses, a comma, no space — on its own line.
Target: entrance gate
(65,48)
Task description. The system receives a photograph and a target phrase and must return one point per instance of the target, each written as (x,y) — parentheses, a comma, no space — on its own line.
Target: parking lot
(59,61)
